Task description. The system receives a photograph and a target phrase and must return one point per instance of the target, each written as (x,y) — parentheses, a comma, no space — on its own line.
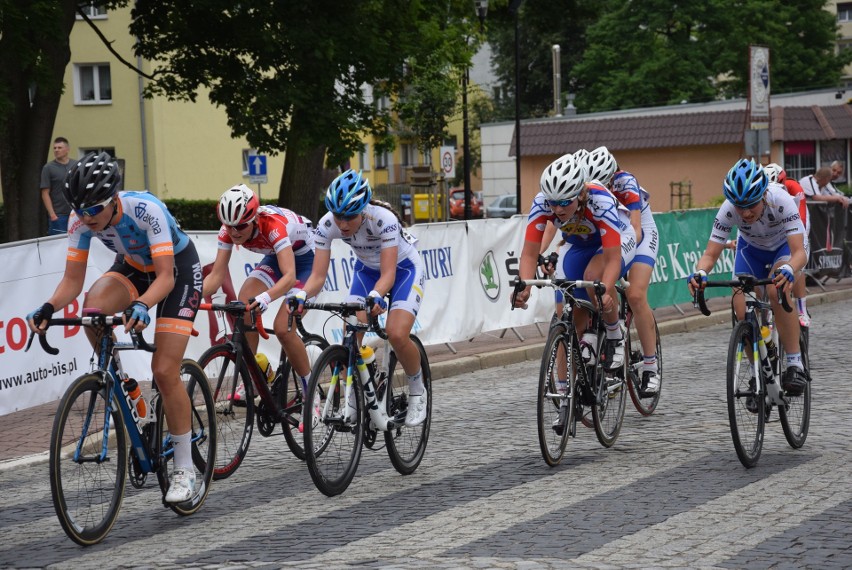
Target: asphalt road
(669,493)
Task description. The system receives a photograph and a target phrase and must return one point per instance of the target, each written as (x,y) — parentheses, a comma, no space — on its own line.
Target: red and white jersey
(275,229)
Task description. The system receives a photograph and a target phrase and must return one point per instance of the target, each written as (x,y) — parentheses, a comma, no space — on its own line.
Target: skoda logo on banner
(489,276)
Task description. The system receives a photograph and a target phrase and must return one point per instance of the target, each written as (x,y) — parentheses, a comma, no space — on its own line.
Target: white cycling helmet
(238,205)
(563,179)
(601,165)
(773,172)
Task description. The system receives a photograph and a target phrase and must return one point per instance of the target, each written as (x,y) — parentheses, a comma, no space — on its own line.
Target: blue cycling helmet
(348,194)
(745,184)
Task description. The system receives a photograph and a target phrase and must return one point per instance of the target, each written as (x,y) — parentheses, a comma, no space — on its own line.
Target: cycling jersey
(275,229)
(627,191)
(795,190)
(380,229)
(143,229)
(603,220)
(780,219)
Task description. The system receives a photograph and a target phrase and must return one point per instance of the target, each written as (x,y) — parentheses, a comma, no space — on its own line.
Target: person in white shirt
(817,186)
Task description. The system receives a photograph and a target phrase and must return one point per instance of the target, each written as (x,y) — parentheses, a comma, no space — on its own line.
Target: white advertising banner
(469,268)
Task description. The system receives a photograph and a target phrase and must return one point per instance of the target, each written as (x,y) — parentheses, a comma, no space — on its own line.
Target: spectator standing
(817,186)
(52,187)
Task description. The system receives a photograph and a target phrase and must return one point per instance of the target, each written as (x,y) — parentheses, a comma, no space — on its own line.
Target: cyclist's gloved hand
(786,271)
(296,301)
(377,300)
(43,313)
(262,301)
(136,313)
(700,277)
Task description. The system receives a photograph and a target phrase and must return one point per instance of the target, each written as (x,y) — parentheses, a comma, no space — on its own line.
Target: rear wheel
(87,475)
(406,445)
(644,402)
(554,408)
(746,401)
(796,414)
(234,418)
(203,434)
(333,442)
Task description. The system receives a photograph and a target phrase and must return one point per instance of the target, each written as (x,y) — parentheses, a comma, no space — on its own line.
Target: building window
(364,158)
(844,11)
(426,158)
(409,154)
(93,11)
(92,84)
(799,159)
(381,160)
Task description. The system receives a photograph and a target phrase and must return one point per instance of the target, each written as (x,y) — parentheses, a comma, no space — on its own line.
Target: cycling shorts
(573,261)
(646,252)
(407,290)
(269,273)
(752,260)
(175,313)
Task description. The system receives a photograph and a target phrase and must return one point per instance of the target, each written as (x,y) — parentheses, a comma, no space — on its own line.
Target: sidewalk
(26,434)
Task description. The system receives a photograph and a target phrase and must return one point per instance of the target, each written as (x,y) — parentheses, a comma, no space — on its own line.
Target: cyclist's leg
(112,292)
(637,295)
(258,281)
(290,341)
(800,291)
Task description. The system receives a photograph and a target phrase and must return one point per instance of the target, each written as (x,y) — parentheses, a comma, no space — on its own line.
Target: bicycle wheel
(555,421)
(289,391)
(406,445)
(746,404)
(234,419)
(610,392)
(203,430)
(87,474)
(332,445)
(645,403)
(796,414)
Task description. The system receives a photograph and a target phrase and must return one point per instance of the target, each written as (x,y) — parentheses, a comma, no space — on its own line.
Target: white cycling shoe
(181,485)
(417,407)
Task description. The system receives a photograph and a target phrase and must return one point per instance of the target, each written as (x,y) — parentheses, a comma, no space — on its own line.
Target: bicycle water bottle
(368,355)
(771,351)
(131,387)
(265,367)
(587,347)
(378,415)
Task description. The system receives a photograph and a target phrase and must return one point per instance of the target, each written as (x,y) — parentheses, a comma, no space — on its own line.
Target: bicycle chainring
(265,422)
(134,471)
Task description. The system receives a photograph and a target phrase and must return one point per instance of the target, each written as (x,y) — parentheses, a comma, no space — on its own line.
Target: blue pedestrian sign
(257,165)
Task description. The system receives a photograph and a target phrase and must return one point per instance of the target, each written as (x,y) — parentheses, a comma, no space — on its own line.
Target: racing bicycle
(99,439)
(231,364)
(754,373)
(334,438)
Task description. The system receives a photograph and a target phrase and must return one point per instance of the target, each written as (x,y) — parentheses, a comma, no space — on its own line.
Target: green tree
(292,75)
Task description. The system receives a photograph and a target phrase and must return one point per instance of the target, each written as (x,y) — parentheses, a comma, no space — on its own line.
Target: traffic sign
(257,165)
(448,161)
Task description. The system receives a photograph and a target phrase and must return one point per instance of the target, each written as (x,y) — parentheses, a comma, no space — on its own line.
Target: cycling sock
(795,359)
(802,305)
(415,384)
(182,445)
(650,364)
(305,380)
(613,331)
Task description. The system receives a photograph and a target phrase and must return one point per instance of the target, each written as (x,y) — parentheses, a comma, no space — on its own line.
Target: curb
(466,364)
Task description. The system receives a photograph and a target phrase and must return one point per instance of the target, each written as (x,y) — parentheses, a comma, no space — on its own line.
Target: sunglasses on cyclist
(239,227)
(558,203)
(348,218)
(93,211)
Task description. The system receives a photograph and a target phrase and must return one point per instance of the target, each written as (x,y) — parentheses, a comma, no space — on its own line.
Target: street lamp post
(481,9)
(514,7)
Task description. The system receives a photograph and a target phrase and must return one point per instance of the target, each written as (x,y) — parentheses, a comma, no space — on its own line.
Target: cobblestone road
(670,493)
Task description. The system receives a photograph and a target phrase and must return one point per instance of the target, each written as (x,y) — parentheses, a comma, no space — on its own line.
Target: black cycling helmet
(92,180)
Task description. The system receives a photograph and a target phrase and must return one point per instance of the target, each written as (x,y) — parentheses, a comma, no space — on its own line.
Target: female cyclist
(770,241)
(156,265)
(286,241)
(387,262)
(602,167)
(599,242)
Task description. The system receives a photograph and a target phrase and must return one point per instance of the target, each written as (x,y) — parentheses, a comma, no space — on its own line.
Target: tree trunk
(26,127)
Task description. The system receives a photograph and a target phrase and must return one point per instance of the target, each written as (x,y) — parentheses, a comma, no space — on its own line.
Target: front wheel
(332,440)
(289,391)
(88,461)
(406,445)
(234,415)
(796,414)
(202,433)
(746,400)
(555,408)
(610,392)
(645,402)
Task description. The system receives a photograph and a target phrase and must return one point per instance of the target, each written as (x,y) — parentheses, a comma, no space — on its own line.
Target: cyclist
(156,265)
(286,241)
(771,235)
(387,262)
(599,243)
(778,175)
(623,185)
